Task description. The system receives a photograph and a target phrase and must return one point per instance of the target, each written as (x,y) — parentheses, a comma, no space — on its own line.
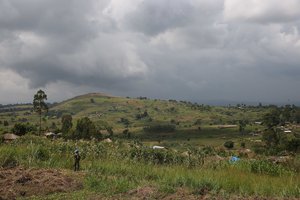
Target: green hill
(136,113)
(140,111)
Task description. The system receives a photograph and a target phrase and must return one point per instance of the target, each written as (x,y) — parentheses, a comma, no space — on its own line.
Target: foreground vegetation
(118,167)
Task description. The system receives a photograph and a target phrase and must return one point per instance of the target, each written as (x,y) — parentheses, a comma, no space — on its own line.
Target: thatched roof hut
(10,137)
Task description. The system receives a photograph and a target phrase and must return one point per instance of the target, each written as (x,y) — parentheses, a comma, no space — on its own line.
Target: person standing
(77,160)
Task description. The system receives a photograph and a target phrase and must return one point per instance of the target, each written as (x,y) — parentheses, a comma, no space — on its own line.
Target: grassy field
(111,169)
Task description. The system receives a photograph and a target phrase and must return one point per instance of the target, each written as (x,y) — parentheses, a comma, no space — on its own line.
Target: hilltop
(139,111)
(136,112)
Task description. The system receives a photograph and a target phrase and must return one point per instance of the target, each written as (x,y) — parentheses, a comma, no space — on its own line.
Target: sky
(198,50)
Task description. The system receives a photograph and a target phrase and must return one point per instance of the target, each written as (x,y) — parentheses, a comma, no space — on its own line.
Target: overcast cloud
(197,50)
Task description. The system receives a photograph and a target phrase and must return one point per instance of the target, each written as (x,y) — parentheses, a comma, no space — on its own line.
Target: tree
(5,123)
(86,129)
(272,119)
(21,128)
(287,113)
(67,124)
(271,137)
(242,125)
(39,105)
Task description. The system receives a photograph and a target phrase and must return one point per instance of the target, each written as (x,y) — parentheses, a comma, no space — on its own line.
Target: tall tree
(67,124)
(39,105)
(272,119)
(86,129)
(242,125)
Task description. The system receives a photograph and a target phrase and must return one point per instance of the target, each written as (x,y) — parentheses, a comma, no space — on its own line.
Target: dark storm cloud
(153,17)
(185,49)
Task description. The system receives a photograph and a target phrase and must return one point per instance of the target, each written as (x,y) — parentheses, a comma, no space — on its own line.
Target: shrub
(5,123)
(67,124)
(42,154)
(125,121)
(266,167)
(126,133)
(141,116)
(21,128)
(86,129)
(229,144)
(160,128)
(243,144)
(293,145)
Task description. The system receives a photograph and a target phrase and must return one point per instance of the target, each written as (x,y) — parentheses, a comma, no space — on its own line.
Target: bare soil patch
(21,182)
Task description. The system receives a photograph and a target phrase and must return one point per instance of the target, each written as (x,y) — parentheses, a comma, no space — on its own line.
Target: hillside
(111,109)
(120,112)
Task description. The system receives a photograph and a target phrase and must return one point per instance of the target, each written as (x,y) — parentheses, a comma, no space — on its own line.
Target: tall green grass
(111,169)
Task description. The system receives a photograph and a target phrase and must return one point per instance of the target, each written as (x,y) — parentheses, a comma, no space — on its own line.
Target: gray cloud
(194,49)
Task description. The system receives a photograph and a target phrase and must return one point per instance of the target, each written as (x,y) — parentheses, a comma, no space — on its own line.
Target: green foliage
(141,116)
(243,144)
(155,156)
(266,167)
(21,128)
(110,131)
(42,154)
(8,158)
(67,124)
(229,144)
(125,121)
(198,122)
(272,137)
(107,185)
(86,129)
(39,105)
(112,169)
(293,145)
(5,123)
(242,125)
(158,128)
(126,133)
(272,118)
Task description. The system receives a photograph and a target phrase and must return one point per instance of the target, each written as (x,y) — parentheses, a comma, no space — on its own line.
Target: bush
(293,145)
(141,116)
(21,128)
(126,133)
(229,144)
(67,124)
(157,128)
(243,144)
(266,167)
(42,154)
(86,129)
(5,123)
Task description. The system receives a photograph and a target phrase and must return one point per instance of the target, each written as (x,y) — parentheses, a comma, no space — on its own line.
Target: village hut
(9,137)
